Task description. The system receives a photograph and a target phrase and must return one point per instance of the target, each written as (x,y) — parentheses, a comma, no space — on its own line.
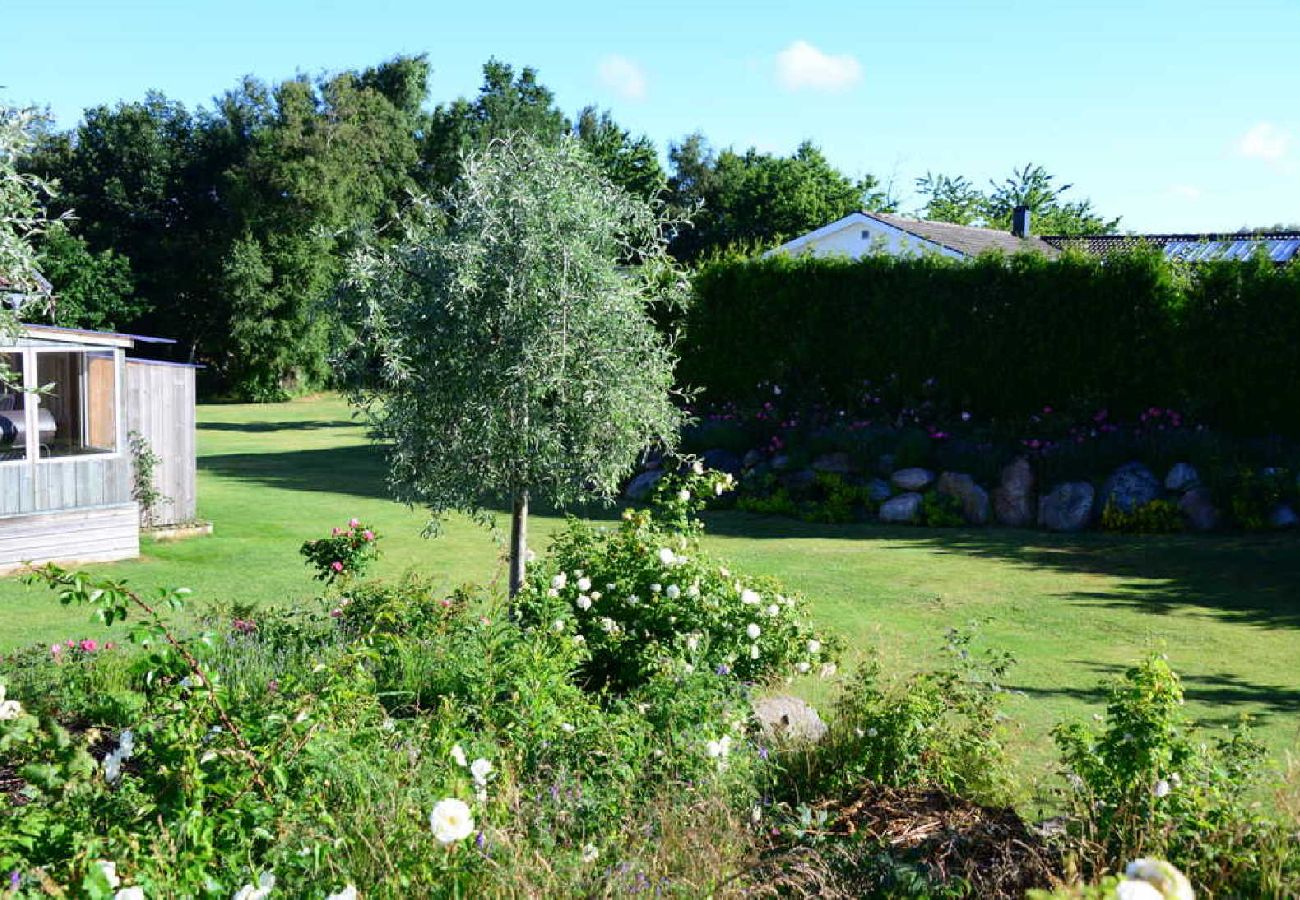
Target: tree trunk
(518,542)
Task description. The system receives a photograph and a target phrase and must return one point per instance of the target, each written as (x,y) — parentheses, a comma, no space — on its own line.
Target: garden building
(75,415)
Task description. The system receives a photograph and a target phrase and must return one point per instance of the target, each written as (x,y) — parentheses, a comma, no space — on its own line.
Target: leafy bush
(1141,785)
(643,598)
(1155,517)
(1252,494)
(941,510)
(346,554)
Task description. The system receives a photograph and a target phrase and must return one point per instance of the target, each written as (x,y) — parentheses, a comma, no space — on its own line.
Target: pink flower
(1047,410)
(354,523)
(89,645)
(335,613)
(368,534)
(109,645)
(336,531)
(336,566)
(56,649)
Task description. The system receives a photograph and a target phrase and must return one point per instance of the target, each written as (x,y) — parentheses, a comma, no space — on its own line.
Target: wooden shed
(66,472)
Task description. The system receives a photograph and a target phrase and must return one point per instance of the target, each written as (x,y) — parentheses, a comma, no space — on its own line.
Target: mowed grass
(1072,609)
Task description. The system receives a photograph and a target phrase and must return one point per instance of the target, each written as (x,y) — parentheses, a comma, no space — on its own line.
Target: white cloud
(1186,191)
(801,65)
(1265,141)
(622,76)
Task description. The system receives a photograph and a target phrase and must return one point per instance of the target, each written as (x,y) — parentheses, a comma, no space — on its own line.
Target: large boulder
(974,499)
(1013,498)
(1130,486)
(640,487)
(722,460)
(903,509)
(787,718)
(1182,477)
(797,481)
(834,464)
(1067,507)
(913,479)
(1283,516)
(878,490)
(1198,509)
(752,458)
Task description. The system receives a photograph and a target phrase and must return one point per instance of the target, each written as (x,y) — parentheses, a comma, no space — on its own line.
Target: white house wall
(860,235)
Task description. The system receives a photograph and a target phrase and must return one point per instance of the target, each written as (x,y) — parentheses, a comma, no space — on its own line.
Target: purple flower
(762,753)
(480,841)
(15,879)
(723,669)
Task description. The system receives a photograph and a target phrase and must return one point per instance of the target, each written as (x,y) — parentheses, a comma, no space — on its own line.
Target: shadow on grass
(1252,579)
(267,427)
(1223,691)
(358,470)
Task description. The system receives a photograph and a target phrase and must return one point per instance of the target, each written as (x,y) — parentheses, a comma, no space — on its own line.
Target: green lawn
(1072,609)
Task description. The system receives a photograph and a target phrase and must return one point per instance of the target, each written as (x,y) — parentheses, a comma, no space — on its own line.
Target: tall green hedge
(1002,337)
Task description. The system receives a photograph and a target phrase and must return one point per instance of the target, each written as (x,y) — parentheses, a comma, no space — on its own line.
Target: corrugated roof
(967,239)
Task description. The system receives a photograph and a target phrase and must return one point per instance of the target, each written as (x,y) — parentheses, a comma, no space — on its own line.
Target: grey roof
(1281,246)
(967,239)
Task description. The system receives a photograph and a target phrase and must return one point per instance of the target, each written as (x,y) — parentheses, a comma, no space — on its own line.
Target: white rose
(559,581)
(803,667)
(683,495)
(458,755)
(9,709)
(673,592)
(451,821)
(134,892)
(773,610)
(480,769)
(583,602)
(753,631)
(348,893)
(753,651)
(109,871)
(814,646)
(667,556)
(584,584)
(265,882)
(749,598)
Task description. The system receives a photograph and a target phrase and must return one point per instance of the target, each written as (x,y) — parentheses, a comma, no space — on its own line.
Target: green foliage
(1156,517)
(1251,495)
(644,599)
(144,463)
(757,198)
(942,510)
(91,290)
(942,727)
(1142,785)
(512,353)
(346,554)
(1073,333)
(955,199)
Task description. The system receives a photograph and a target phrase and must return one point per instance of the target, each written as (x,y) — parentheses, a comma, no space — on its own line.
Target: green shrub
(1155,517)
(346,554)
(1142,785)
(1251,495)
(644,598)
(941,510)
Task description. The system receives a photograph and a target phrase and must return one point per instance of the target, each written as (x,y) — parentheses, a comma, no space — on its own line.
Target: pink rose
(89,645)
(368,534)
(56,649)
(336,566)
(336,531)
(335,613)
(354,523)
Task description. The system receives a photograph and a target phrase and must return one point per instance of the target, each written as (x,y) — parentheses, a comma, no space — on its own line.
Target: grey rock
(799,480)
(912,479)
(752,458)
(905,508)
(722,460)
(1067,507)
(834,464)
(1198,508)
(787,718)
(780,462)
(974,499)
(885,464)
(1130,486)
(640,487)
(878,490)
(1283,516)
(1013,498)
(1182,477)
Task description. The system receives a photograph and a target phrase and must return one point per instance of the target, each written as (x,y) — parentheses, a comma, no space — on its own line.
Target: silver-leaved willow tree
(502,342)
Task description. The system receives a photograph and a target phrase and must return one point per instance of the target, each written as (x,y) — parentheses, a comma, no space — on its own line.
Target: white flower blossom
(552,593)
(559,581)
(558,625)
(579,639)
(9,709)
(1165,879)
(590,853)
(458,755)
(697,467)
(584,584)
(265,881)
(829,669)
(672,592)
(566,728)
(347,893)
(753,631)
(750,598)
(683,495)
(718,749)
(1136,890)
(388,725)
(692,642)
(583,602)
(1161,788)
(656,588)
(773,610)
(451,821)
(694,590)
(803,667)
(753,651)
(667,556)
(814,646)
(481,769)
(134,892)
(109,871)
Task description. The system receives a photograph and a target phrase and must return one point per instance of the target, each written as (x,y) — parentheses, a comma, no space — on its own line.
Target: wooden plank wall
(101,534)
(65,483)
(160,406)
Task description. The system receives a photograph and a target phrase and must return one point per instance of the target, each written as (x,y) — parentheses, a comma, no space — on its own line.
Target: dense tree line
(225,227)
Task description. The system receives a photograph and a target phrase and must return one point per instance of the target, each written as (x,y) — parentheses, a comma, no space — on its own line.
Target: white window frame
(33,403)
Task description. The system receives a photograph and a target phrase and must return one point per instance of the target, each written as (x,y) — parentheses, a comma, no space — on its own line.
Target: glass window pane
(77,404)
(13,406)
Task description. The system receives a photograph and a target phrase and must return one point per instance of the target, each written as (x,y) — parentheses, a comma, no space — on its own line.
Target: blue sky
(1176,116)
